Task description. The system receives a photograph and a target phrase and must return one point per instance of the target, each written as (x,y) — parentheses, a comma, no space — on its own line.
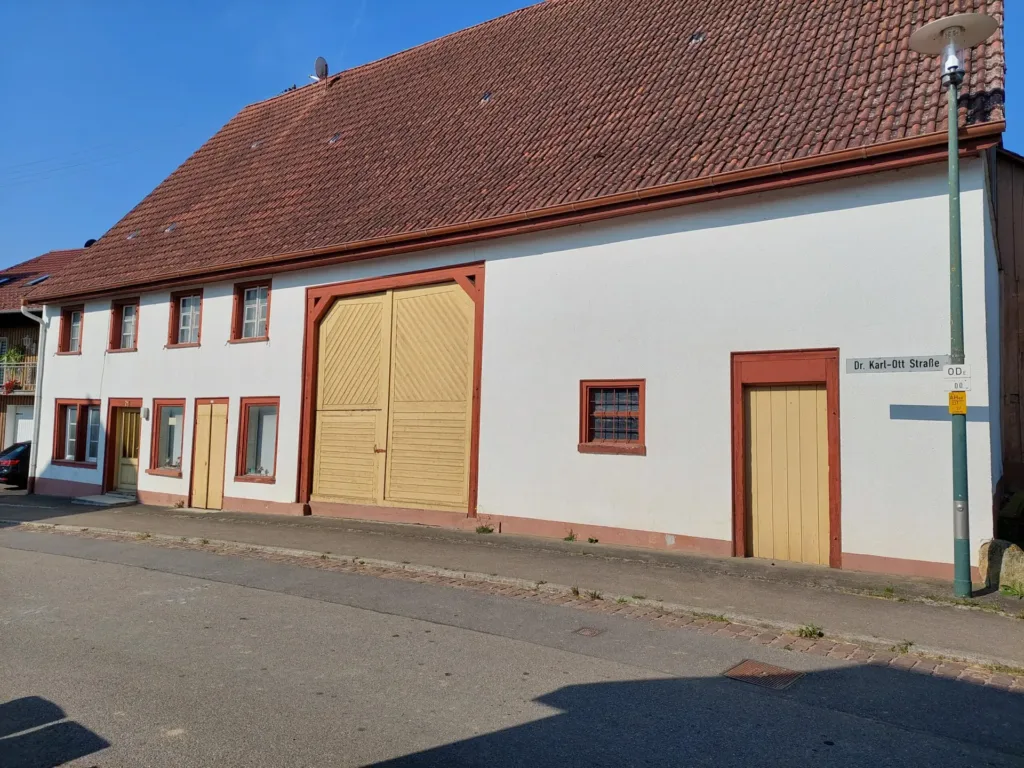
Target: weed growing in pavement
(179,504)
(184,538)
(85,530)
(541,582)
(323,556)
(591,540)
(143,536)
(575,591)
(622,600)
(810,630)
(639,597)
(593,595)
(1003,669)
(710,616)
(1016,589)
(484,529)
(571,536)
(204,541)
(902,647)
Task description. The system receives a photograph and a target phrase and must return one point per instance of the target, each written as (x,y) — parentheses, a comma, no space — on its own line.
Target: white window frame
(92,423)
(188,319)
(129,321)
(254,312)
(70,432)
(75,331)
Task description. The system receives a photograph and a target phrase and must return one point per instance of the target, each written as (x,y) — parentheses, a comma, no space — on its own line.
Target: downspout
(40,360)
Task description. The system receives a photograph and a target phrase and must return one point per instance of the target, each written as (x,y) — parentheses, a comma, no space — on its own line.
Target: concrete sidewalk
(859,606)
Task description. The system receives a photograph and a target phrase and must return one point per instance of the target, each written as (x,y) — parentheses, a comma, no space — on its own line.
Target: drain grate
(765,675)
(589,631)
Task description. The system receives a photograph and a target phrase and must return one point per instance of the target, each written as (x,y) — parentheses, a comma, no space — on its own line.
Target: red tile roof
(14,281)
(561,102)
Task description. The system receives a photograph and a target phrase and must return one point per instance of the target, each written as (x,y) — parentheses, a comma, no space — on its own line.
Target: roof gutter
(890,155)
(33,455)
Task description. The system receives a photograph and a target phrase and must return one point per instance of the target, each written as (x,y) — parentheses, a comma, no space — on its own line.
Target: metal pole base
(962,586)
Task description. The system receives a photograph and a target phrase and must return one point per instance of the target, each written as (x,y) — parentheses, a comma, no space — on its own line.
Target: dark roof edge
(900,153)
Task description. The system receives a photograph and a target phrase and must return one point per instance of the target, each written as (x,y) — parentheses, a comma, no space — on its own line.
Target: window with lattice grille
(612,417)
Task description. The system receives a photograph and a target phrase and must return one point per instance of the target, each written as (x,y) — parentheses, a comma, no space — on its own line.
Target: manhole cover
(765,675)
(589,631)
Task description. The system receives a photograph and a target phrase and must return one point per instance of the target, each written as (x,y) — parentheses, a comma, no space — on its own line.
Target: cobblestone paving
(578,598)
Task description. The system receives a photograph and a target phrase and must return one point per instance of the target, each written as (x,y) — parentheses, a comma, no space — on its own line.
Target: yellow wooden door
(787,479)
(431,397)
(352,400)
(129,426)
(210,438)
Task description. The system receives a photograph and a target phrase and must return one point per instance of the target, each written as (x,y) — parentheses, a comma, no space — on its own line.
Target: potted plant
(10,359)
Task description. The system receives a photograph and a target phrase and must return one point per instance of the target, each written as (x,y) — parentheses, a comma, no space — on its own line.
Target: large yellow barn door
(787,434)
(431,398)
(394,399)
(352,400)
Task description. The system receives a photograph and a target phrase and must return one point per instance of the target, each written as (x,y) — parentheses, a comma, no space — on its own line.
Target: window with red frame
(124,325)
(612,417)
(77,431)
(70,339)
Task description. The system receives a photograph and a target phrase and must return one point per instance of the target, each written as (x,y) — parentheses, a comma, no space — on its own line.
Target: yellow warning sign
(958,403)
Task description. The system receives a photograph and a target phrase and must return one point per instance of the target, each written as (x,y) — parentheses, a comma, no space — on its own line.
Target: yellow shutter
(201,465)
(218,455)
(352,397)
(431,398)
(787,440)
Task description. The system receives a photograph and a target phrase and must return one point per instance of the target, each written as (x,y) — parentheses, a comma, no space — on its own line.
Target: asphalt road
(127,654)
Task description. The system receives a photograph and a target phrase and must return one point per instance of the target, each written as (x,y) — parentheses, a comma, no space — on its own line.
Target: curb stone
(669,616)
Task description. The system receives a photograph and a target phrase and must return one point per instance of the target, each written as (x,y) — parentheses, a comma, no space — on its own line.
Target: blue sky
(102,100)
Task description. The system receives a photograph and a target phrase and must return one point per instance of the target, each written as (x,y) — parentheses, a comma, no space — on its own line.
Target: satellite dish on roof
(90,242)
(320,67)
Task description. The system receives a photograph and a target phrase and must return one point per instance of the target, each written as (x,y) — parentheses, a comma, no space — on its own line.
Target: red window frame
(81,433)
(587,444)
(116,316)
(175,317)
(243,439)
(154,438)
(64,337)
(238,311)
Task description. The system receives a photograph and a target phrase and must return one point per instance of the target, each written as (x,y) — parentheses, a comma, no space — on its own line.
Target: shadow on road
(857,716)
(35,734)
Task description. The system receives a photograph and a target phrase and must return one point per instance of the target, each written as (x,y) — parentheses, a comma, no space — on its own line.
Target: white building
(556,295)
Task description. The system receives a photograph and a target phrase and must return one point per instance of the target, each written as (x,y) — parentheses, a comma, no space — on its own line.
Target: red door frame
(781,368)
(109,472)
(319,300)
(192,462)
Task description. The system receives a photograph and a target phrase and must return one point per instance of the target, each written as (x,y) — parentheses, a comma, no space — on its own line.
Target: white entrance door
(22,423)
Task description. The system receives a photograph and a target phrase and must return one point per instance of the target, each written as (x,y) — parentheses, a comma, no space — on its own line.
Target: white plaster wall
(860,265)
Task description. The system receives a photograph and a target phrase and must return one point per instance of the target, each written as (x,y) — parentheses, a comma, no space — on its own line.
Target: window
(252,312)
(77,432)
(612,417)
(70,339)
(124,325)
(257,439)
(186,319)
(168,433)
(38,280)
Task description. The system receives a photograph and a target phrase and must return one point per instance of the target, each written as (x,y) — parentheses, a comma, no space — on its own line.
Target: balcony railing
(18,377)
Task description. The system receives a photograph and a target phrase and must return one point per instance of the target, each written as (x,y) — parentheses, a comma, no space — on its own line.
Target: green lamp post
(949,37)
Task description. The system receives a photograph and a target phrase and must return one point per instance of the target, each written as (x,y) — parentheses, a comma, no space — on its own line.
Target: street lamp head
(949,37)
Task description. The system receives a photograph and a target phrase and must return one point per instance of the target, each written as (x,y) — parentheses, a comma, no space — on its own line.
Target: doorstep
(106,500)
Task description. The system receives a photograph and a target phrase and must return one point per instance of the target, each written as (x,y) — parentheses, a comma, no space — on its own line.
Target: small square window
(612,417)
(257,440)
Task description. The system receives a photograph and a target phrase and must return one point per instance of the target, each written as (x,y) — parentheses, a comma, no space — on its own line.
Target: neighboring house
(598,267)
(19,341)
